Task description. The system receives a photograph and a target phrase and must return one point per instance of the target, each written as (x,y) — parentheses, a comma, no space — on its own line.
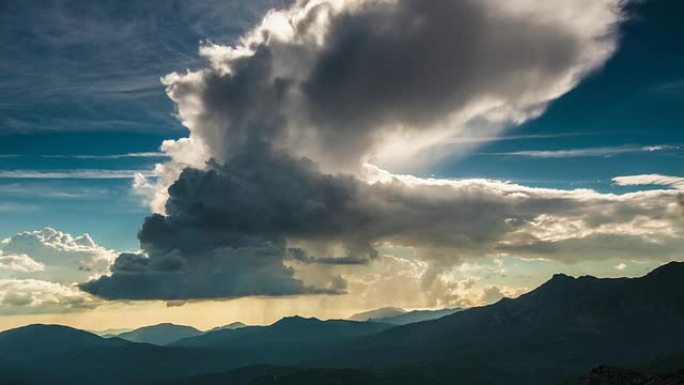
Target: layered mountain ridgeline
(561,327)
(164,333)
(232,325)
(161,334)
(286,331)
(397,316)
(557,332)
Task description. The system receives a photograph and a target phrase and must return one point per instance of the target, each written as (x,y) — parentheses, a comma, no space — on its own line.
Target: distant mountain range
(234,325)
(291,330)
(549,336)
(168,333)
(398,316)
(161,334)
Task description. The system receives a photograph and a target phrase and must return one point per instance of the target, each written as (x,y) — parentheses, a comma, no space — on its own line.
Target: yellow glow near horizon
(202,315)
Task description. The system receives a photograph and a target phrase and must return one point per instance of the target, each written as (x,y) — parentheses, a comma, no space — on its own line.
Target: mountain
(286,331)
(234,325)
(562,328)
(39,339)
(397,316)
(418,316)
(555,333)
(377,314)
(160,334)
(57,355)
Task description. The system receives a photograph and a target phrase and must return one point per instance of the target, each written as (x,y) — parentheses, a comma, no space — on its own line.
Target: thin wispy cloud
(586,152)
(131,155)
(16,207)
(486,139)
(40,190)
(675,86)
(650,180)
(73,174)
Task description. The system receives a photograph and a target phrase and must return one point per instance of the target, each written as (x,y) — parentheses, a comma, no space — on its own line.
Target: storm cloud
(238,229)
(290,130)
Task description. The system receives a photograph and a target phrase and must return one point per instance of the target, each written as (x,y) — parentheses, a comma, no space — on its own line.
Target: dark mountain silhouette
(564,326)
(286,331)
(38,339)
(233,325)
(557,332)
(160,334)
(51,354)
(397,316)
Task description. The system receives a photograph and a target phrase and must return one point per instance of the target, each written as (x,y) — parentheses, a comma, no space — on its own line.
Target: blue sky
(83,108)
(83,78)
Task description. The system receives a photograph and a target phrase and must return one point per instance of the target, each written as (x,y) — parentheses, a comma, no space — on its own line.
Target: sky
(249,160)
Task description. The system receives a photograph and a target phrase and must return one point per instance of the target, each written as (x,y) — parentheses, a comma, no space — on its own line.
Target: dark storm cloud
(232,230)
(320,87)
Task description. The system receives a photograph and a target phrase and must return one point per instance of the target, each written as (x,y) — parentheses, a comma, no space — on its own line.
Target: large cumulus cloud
(343,81)
(285,126)
(232,230)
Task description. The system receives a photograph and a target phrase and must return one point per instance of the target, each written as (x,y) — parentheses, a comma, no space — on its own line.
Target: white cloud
(587,152)
(410,282)
(64,258)
(620,266)
(129,155)
(20,262)
(21,296)
(398,118)
(650,179)
(39,271)
(17,207)
(72,174)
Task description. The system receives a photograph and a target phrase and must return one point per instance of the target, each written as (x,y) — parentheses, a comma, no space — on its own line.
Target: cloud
(650,179)
(275,176)
(72,174)
(266,207)
(39,271)
(26,296)
(587,152)
(408,282)
(346,81)
(21,263)
(111,156)
(17,207)
(50,191)
(63,258)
